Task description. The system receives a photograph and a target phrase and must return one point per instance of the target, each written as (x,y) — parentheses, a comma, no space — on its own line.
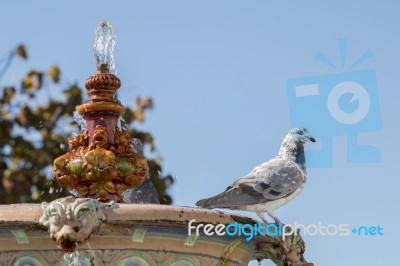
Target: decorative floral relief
(101,170)
(113,257)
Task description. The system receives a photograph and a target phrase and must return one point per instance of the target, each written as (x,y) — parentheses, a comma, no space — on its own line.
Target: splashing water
(137,146)
(74,192)
(104,45)
(73,259)
(79,120)
(121,124)
(91,251)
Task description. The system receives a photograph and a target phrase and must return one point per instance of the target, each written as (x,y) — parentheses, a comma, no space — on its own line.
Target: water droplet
(74,192)
(169,180)
(79,120)
(137,146)
(51,190)
(121,124)
(62,146)
(74,259)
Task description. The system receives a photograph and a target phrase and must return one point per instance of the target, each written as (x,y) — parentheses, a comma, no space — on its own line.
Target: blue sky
(218,72)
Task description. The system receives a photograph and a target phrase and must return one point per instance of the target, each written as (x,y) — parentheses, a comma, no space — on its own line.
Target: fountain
(97,228)
(101,163)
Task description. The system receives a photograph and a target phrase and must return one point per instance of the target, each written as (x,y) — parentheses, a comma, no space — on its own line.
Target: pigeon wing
(270,181)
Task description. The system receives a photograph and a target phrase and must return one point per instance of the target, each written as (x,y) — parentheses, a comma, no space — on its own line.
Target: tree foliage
(34,127)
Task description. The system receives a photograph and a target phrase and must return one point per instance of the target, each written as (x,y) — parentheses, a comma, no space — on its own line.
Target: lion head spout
(73,221)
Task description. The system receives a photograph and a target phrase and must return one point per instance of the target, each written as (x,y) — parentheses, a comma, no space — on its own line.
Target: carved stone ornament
(73,221)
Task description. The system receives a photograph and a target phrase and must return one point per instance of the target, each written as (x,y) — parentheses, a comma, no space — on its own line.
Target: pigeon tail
(204,203)
(217,201)
(210,203)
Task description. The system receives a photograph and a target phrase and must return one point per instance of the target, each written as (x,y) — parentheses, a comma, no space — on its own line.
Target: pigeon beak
(312,139)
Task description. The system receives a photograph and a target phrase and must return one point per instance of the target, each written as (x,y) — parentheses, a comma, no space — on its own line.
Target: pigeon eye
(301,132)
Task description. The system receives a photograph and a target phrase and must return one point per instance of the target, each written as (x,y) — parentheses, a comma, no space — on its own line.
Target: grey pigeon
(145,193)
(269,185)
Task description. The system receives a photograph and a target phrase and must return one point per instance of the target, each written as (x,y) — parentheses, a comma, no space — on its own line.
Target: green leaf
(21,51)
(54,73)
(8,95)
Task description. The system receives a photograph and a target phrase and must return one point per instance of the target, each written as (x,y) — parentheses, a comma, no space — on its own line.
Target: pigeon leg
(276,220)
(262,217)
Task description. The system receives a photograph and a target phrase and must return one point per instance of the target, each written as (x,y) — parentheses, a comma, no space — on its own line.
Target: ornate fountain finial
(102,163)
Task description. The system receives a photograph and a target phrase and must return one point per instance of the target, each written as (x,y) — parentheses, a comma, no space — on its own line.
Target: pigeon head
(301,135)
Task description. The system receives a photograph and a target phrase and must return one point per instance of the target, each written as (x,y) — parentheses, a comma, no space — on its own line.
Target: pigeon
(269,185)
(145,193)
